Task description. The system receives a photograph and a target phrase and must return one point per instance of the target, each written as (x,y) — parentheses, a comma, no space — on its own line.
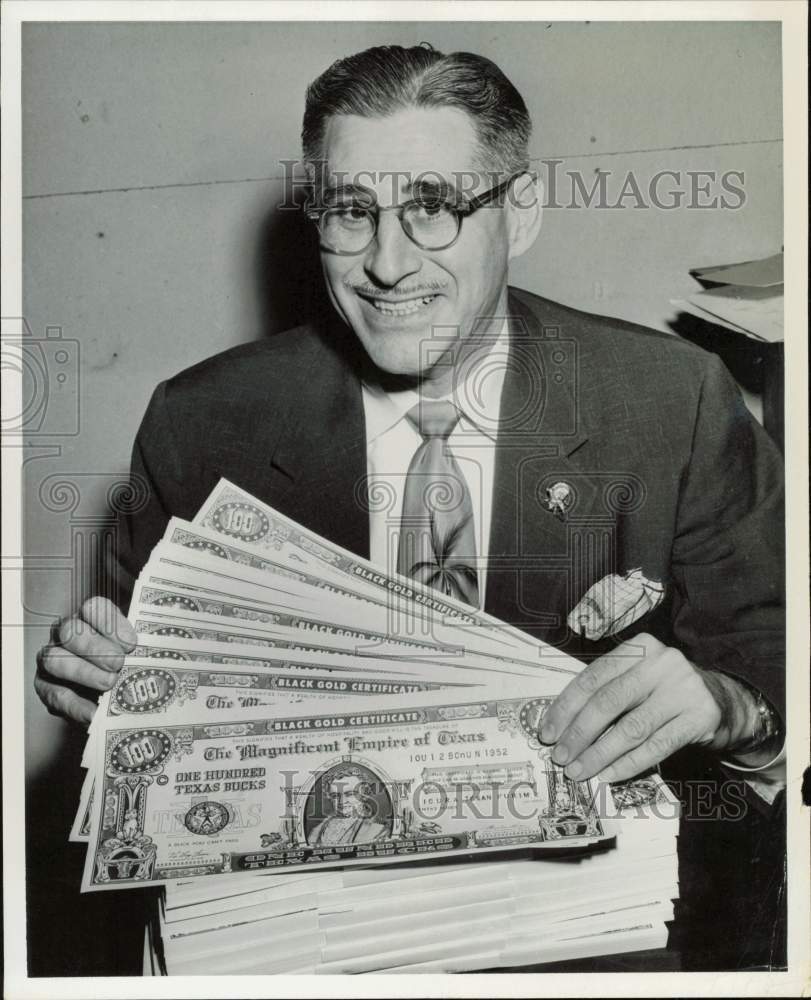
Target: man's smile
(400,307)
(397,306)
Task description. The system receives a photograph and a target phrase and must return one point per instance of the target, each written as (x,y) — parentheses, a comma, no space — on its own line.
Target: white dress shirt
(391,441)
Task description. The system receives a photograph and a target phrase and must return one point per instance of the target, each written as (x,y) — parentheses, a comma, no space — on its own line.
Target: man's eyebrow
(433,187)
(344,192)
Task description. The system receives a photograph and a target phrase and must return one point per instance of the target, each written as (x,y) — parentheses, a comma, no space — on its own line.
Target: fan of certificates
(332,768)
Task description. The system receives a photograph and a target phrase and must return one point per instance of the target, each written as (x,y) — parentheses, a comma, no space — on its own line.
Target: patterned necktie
(437,533)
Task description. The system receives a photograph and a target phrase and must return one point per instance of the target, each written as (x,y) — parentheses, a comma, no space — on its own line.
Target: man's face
(345,796)
(394,294)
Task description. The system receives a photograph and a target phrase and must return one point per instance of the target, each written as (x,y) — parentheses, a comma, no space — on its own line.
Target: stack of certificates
(332,768)
(436,918)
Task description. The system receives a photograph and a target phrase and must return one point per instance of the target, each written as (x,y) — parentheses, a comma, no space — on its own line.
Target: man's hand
(86,652)
(656,702)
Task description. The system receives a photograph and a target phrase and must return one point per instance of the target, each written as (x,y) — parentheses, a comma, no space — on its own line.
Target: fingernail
(574,769)
(547,733)
(560,754)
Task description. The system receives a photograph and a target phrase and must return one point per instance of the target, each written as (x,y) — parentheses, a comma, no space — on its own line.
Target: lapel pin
(559,498)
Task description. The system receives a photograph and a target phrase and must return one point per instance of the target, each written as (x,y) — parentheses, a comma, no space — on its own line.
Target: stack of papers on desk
(334,769)
(746,298)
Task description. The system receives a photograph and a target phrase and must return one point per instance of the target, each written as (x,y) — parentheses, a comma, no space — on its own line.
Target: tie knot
(434,418)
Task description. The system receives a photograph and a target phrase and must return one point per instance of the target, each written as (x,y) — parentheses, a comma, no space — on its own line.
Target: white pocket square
(614,603)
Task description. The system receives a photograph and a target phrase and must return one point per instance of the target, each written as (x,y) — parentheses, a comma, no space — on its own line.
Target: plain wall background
(151,171)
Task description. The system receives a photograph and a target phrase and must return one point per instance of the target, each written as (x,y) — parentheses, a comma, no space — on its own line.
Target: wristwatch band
(767,726)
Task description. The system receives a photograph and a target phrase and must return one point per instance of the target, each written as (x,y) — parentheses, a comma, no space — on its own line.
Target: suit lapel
(539,559)
(323,449)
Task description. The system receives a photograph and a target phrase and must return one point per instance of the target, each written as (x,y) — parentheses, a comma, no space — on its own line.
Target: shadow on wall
(743,357)
(288,271)
(755,365)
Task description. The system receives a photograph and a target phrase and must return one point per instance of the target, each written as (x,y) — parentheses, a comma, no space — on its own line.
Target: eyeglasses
(430,221)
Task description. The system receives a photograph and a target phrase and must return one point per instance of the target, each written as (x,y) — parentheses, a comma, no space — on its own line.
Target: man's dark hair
(388,78)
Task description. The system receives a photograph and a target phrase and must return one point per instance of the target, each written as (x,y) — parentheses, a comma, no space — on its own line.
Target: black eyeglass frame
(461,211)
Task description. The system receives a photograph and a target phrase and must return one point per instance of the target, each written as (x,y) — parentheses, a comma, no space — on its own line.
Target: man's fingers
(630,732)
(608,703)
(578,691)
(665,741)
(61,700)
(108,621)
(86,652)
(55,661)
(81,639)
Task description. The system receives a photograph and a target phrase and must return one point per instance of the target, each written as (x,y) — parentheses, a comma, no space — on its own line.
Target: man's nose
(391,256)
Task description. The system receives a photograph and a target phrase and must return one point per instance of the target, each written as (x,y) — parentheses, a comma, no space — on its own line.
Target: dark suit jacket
(666,467)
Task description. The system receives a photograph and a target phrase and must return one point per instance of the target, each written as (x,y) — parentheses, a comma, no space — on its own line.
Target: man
(611,494)
(350,822)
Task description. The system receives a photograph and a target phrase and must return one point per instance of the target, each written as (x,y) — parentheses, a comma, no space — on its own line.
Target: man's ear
(524,206)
